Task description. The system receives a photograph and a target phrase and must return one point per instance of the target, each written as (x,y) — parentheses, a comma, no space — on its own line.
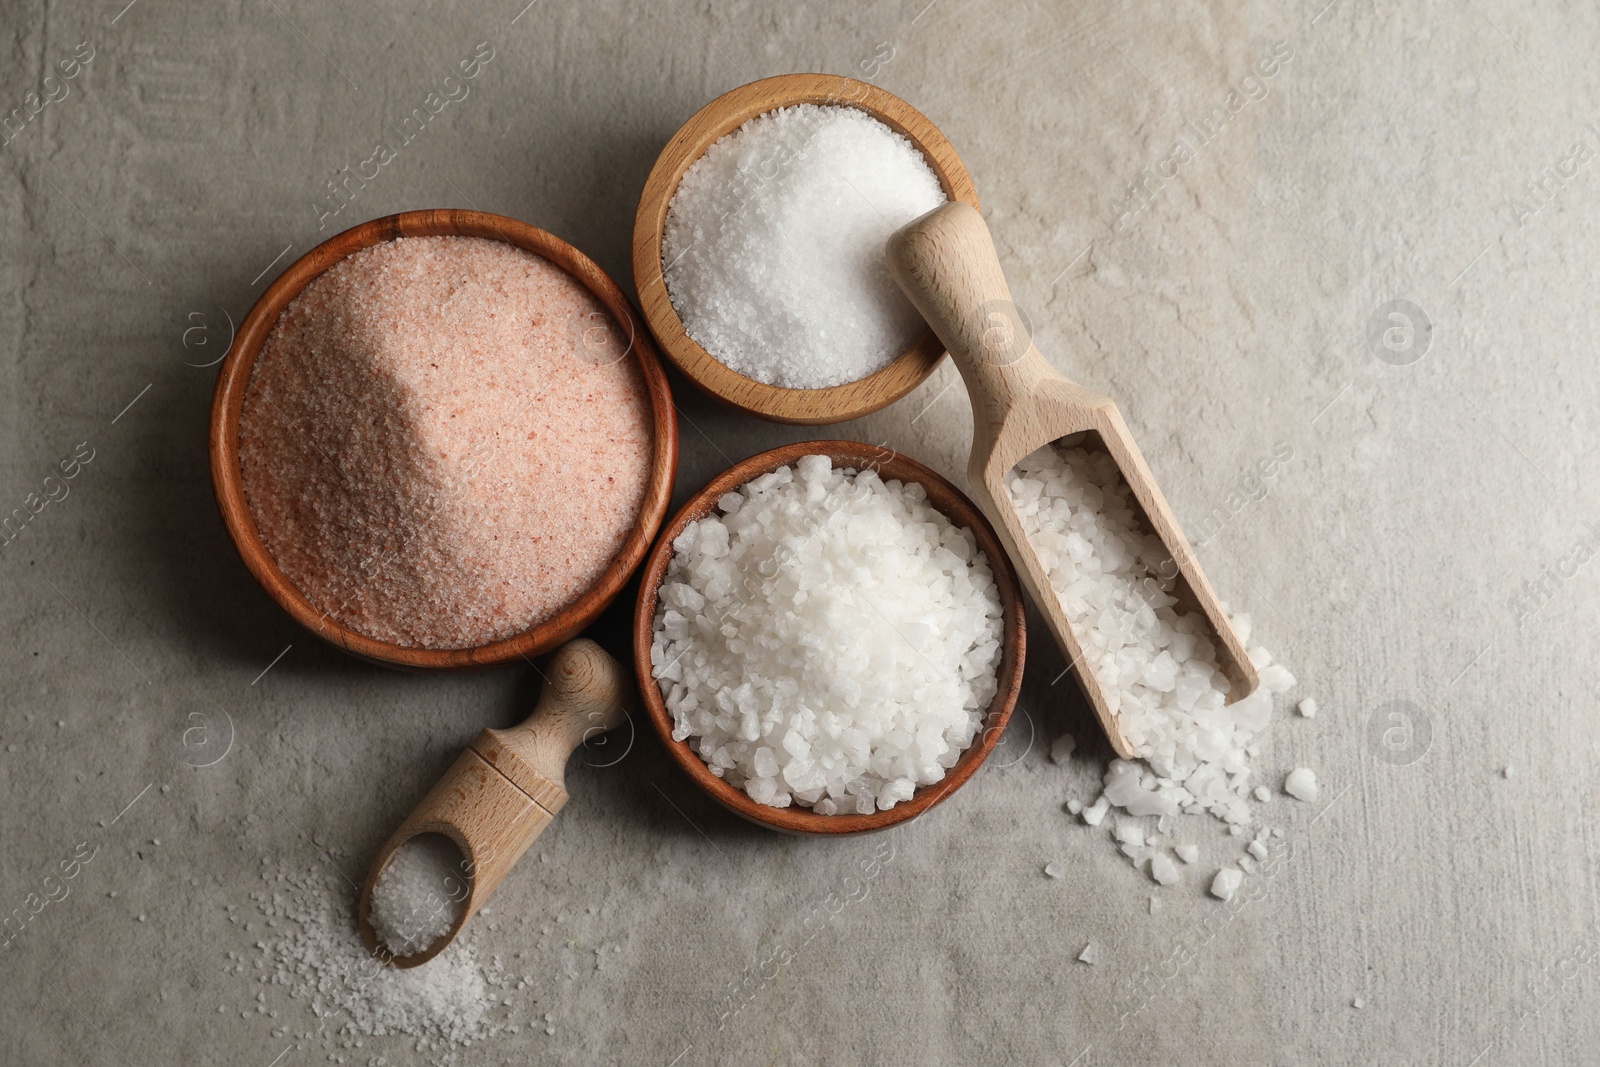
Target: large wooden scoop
(946,263)
(504,789)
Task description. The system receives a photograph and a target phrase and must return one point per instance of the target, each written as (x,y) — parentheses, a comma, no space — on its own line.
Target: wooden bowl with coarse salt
(716,119)
(234,380)
(944,498)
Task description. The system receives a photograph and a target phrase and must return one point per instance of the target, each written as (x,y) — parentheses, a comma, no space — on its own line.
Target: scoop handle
(585,693)
(946,263)
(503,791)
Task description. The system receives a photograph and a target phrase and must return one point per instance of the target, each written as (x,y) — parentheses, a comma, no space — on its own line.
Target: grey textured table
(1427,544)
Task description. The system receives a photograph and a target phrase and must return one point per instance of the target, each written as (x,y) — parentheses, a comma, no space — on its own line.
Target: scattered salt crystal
(1096,811)
(1054,869)
(1226,883)
(1257,849)
(773,251)
(420,894)
(1509,772)
(1074,806)
(1090,954)
(1308,708)
(1301,784)
(1275,678)
(1188,853)
(1061,748)
(1155,904)
(1163,870)
(1263,794)
(1358,1003)
(831,643)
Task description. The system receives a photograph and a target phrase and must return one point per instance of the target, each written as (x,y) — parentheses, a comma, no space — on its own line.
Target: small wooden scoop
(504,790)
(946,263)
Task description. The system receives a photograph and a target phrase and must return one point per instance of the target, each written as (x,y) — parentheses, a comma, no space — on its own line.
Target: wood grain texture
(506,788)
(234,378)
(950,502)
(720,117)
(947,264)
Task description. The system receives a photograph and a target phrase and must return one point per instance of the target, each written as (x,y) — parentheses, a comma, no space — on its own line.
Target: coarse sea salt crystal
(1226,883)
(1263,794)
(1308,708)
(1074,806)
(1096,811)
(830,642)
(1090,954)
(1163,870)
(773,249)
(1188,853)
(1061,749)
(1301,784)
(1054,869)
(1257,849)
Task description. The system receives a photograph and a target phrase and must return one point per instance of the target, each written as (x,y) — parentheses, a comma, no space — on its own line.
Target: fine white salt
(827,638)
(420,895)
(1301,784)
(773,251)
(1226,883)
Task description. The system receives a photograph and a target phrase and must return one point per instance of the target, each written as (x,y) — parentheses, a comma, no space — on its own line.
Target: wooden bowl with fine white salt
(944,498)
(393,439)
(725,115)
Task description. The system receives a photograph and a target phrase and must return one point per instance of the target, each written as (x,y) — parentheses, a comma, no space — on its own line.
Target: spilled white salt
(1226,883)
(420,895)
(1301,784)
(773,250)
(827,638)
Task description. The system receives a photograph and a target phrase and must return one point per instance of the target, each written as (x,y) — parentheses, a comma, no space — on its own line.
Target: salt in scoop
(946,263)
(507,786)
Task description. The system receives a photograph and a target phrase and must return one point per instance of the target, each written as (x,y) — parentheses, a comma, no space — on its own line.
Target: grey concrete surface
(1433,909)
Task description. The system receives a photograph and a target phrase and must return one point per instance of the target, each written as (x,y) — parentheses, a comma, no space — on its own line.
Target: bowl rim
(721,116)
(233,381)
(955,506)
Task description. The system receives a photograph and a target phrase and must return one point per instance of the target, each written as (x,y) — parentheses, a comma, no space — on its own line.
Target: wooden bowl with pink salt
(443,440)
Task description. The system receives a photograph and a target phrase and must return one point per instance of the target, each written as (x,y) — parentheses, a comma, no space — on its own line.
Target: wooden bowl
(722,116)
(958,509)
(234,377)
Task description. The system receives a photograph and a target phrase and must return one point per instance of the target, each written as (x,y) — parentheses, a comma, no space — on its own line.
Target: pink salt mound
(444,441)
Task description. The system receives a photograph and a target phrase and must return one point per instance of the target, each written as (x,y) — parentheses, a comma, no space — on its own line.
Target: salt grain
(1054,869)
(420,894)
(1226,883)
(1188,853)
(830,641)
(1163,870)
(1090,954)
(444,441)
(1061,749)
(1308,708)
(1301,784)
(773,251)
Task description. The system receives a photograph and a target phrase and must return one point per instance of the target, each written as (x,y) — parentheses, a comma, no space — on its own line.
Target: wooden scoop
(504,789)
(946,263)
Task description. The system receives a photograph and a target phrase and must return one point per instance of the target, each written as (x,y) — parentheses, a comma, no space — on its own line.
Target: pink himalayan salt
(444,441)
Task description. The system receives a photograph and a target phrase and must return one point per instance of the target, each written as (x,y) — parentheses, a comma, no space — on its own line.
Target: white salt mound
(420,894)
(773,250)
(1301,784)
(1155,663)
(827,638)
